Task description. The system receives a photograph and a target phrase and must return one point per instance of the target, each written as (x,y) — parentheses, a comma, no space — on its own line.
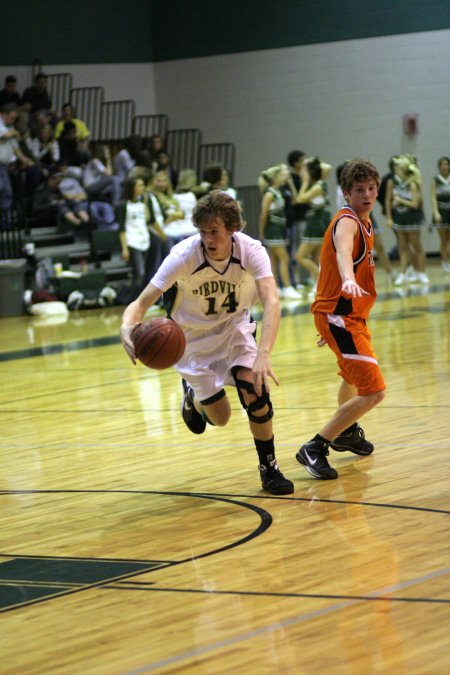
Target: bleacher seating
(112,122)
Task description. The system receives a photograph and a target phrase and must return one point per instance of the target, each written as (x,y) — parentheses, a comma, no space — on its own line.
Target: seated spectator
(155,145)
(45,149)
(75,206)
(68,115)
(128,157)
(9,93)
(47,200)
(163,191)
(226,187)
(24,134)
(186,200)
(70,150)
(211,179)
(31,175)
(164,164)
(37,97)
(98,180)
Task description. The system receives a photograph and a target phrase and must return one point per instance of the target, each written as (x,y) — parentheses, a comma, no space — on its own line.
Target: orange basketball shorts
(349,339)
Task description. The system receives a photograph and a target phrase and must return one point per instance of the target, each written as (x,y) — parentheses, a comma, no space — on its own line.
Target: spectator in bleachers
(31,175)
(47,200)
(45,148)
(24,134)
(182,227)
(72,153)
(10,153)
(159,247)
(9,93)
(212,176)
(68,115)
(165,164)
(98,180)
(225,185)
(37,97)
(211,179)
(155,145)
(75,207)
(163,191)
(129,157)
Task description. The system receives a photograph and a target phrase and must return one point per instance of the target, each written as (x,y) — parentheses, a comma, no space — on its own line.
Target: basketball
(159,343)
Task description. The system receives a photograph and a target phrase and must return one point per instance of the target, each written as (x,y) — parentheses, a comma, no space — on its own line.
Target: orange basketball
(159,343)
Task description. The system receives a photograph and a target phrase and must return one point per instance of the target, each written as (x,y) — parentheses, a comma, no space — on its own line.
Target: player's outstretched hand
(262,370)
(351,288)
(125,338)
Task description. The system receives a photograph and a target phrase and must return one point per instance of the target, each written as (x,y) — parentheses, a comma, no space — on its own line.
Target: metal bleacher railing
(59,87)
(87,102)
(116,120)
(183,147)
(150,125)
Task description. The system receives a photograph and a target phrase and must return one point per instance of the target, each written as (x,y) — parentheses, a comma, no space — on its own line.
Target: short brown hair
(217,204)
(358,170)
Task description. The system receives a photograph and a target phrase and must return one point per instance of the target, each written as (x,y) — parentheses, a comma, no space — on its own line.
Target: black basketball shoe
(355,441)
(273,480)
(313,456)
(192,419)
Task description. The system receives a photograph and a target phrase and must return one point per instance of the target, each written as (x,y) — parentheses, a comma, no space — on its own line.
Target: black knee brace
(259,403)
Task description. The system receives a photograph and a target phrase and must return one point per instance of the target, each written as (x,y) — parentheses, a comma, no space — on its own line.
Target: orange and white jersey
(329,297)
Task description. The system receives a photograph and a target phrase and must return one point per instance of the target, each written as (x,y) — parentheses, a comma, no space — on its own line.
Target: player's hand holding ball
(126,339)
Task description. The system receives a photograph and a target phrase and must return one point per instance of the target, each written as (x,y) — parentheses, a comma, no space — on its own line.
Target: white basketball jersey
(209,294)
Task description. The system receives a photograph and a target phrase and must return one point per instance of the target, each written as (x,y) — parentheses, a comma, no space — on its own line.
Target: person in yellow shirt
(68,115)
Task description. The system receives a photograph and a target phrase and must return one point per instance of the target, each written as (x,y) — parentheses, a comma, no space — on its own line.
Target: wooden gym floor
(129,545)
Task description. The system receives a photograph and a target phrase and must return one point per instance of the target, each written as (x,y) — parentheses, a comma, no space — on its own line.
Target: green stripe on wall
(137,31)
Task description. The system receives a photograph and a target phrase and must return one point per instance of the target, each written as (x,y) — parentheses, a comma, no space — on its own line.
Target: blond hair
(407,164)
(267,176)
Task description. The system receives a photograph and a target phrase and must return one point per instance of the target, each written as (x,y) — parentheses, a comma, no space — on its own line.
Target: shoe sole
(361,453)
(311,471)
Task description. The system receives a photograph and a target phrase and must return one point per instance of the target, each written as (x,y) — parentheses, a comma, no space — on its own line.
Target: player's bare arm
(262,368)
(134,314)
(266,202)
(346,231)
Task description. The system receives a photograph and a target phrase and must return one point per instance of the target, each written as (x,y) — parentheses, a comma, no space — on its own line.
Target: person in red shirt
(345,295)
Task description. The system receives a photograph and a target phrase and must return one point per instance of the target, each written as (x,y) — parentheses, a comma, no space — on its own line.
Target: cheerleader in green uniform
(314,194)
(273,226)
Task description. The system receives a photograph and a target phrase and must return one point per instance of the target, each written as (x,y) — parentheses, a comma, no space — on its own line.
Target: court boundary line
(265,523)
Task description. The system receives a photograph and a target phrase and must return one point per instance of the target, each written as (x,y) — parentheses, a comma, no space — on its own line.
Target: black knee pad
(258,404)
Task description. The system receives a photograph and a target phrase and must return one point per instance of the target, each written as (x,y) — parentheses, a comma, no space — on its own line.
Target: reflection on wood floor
(129,545)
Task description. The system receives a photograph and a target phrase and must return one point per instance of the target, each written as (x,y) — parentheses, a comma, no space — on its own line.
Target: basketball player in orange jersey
(345,296)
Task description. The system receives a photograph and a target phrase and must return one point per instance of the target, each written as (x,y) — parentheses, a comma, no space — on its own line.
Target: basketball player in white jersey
(212,279)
